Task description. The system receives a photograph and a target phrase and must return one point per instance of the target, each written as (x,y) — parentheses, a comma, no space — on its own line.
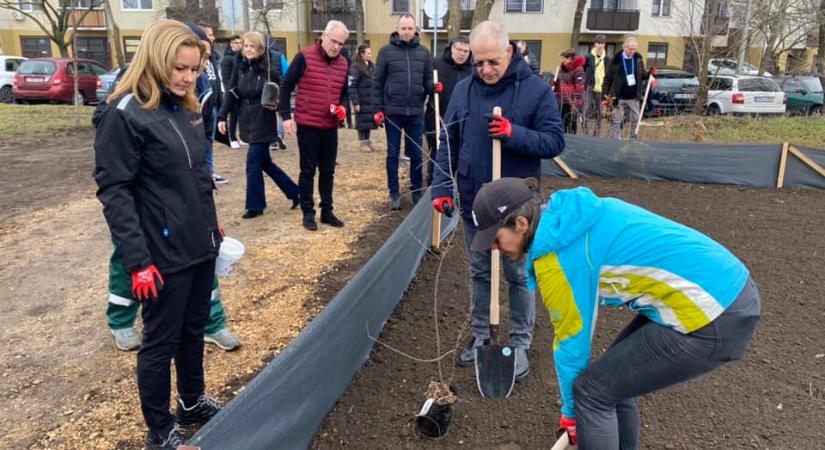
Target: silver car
(104,83)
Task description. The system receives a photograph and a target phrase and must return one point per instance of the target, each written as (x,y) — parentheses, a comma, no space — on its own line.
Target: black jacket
(215,78)
(531,61)
(256,123)
(155,185)
(449,74)
(615,80)
(590,69)
(228,63)
(403,77)
(361,94)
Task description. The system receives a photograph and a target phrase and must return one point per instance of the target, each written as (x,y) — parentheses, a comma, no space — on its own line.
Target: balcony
(720,26)
(466,21)
(319,19)
(94,19)
(613,19)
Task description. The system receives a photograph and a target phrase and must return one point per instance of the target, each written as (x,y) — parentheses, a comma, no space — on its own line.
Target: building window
(400,6)
(88,4)
(279,44)
(36,47)
(534,47)
(661,8)
(614,5)
(523,6)
(138,5)
(94,48)
(656,55)
(130,45)
(30,5)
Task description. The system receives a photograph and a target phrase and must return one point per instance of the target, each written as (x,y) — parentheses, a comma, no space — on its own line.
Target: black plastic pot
(433,420)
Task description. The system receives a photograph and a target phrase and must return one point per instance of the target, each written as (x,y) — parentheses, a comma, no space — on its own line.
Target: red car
(52,79)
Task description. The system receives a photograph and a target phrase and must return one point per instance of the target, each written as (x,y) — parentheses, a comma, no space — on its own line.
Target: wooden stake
(495,257)
(436,238)
(650,81)
(808,161)
(563,443)
(783,161)
(566,168)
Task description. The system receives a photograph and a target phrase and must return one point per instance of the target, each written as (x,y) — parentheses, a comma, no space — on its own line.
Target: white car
(8,65)
(727,66)
(745,95)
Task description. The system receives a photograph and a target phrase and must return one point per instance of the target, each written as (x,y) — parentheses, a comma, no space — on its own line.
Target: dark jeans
(413,128)
(258,162)
(646,357)
(318,149)
(173,329)
(233,124)
(431,150)
(570,118)
(363,135)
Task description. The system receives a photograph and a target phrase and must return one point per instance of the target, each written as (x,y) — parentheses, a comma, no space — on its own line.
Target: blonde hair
(154,61)
(257,38)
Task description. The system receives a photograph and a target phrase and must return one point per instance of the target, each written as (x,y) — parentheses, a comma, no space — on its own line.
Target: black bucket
(270,95)
(433,420)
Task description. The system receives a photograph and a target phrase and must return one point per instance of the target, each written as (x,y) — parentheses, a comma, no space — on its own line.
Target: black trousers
(318,150)
(173,329)
(233,123)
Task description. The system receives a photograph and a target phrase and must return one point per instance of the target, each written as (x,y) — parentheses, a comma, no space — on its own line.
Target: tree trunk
(820,56)
(482,12)
(359,21)
(454,19)
(704,51)
(114,35)
(577,24)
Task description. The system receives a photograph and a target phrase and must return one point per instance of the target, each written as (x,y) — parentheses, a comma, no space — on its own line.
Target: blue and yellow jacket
(590,251)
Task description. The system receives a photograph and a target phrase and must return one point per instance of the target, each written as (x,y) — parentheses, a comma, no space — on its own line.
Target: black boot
(251,213)
(199,413)
(309,222)
(168,439)
(329,218)
(281,143)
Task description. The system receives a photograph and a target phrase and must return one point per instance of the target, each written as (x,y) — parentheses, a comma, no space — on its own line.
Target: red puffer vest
(319,87)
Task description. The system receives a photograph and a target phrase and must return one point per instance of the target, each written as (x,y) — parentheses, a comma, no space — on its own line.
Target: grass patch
(24,120)
(804,131)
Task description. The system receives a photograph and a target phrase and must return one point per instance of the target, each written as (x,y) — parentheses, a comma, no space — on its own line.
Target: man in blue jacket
(530,130)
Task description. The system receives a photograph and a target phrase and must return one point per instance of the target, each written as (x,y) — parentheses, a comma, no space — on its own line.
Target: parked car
(52,79)
(104,83)
(8,65)
(673,93)
(804,93)
(727,66)
(744,95)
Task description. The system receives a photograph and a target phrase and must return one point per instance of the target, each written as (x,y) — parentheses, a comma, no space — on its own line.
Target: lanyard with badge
(631,77)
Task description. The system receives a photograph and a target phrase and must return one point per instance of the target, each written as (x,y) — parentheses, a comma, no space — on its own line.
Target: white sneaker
(240,142)
(234,144)
(219,179)
(404,158)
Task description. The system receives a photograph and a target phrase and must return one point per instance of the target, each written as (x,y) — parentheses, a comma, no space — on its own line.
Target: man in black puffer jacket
(228,63)
(403,80)
(453,66)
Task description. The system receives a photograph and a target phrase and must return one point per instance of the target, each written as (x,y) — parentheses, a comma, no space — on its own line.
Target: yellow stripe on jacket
(557,296)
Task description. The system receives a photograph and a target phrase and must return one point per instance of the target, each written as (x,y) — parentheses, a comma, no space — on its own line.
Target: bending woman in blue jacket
(697,305)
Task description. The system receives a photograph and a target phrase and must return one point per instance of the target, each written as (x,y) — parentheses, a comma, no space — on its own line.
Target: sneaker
(224,339)
(240,142)
(309,222)
(199,413)
(281,143)
(126,339)
(365,147)
(522,364)
(219,179)
(251,214)
(165,440)
(234,144)
(404,158)
(467,357)
(395,203)
(327,217)
(273,146)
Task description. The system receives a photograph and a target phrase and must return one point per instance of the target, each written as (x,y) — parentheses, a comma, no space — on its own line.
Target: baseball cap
(494,201)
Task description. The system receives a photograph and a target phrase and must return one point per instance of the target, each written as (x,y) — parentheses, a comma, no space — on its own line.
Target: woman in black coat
(257,123)
(360,92)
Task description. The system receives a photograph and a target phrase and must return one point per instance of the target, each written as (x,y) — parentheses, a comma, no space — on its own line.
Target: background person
(156,189)
(570,89)
(595,67)
(528,56)
(258,124)
(228,62)
(697,305)
(623,85)
(361,92)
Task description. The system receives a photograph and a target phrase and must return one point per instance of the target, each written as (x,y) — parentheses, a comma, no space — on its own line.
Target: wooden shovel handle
(495,257)
(562,443)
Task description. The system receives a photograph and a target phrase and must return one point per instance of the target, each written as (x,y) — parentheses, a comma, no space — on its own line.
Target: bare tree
(702,20)
(577,23)
(819,64)
(113,31)
(454,17)
(482,11)
(782,25)
(55,18)
(359,21)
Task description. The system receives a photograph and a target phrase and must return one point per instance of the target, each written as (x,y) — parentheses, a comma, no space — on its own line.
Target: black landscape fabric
(282,406)
(738,164)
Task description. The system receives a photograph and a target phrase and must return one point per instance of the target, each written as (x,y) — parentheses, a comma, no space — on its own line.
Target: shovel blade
(495,370)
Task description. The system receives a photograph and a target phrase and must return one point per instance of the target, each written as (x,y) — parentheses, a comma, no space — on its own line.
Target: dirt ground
(63,385)
(773,399)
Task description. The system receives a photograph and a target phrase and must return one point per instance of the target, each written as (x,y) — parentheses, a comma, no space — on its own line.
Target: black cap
(492,204)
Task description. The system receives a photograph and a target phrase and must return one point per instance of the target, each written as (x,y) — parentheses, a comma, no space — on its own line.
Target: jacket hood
(569,214)
(447,56)
(517,71)
(396,40)
(577,62)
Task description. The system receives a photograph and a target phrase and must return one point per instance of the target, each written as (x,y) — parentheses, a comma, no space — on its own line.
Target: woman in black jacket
(360,92)
(258,124)
(156,188)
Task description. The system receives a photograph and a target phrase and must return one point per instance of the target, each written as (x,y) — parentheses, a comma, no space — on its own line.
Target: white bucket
(230,253)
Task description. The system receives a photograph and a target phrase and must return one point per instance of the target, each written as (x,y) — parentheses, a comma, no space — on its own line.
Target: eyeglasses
(479,63)
(334,41)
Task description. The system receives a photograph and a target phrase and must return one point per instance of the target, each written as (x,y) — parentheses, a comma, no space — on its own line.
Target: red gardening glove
(220,230)
(144,286)
(338,111)
(379,119)
(444,205)
(438,88)
(499,127)
(568,425)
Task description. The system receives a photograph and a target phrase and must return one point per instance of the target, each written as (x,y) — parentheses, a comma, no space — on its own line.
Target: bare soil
(772,399)
(63,385)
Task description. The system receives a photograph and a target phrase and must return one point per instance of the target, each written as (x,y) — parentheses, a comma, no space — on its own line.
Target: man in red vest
(320,73)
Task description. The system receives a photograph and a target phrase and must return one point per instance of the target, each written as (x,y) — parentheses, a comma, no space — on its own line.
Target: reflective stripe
(121,105)
(682,304)
(118,300)
(216,295)
(557,295)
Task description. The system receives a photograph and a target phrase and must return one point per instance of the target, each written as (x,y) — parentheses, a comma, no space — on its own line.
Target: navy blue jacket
(403,77)
(527,101)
